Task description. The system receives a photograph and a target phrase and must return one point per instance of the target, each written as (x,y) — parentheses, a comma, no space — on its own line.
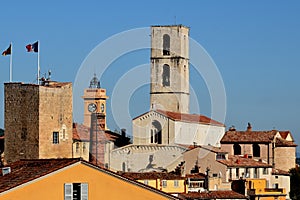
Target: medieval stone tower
(95,102)
(169,88)
(38,120)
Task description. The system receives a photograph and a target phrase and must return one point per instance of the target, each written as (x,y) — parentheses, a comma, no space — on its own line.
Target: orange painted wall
(101,186)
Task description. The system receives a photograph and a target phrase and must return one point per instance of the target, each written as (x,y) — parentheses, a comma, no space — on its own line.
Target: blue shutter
(84,191)
(68,191)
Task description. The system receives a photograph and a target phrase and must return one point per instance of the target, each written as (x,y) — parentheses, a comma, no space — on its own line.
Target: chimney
(249,127)
(232,128)
(123,132)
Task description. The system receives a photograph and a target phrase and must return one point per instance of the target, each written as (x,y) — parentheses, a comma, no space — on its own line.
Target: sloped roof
(279,172)
(150,175)
(220,194)
(257,137)
(248,136)
(185,117)
(24,171)
(279,142)
(238,161)
(82,133)
(196,175)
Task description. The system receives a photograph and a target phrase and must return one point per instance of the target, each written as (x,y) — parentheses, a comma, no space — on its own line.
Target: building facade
(38,120)
(169,88)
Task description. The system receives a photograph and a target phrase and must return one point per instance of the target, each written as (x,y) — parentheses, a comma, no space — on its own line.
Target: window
(77,147)
(237,172)
(256,150)
(166,44)
(146,182)
(83,147)
(76,191)
(237,149)
(230,173)
(255,175)
(55,138)
(265,171)
(156,135)
(166,75)
(220,156)
(164,183)
(247,175)
(176,183)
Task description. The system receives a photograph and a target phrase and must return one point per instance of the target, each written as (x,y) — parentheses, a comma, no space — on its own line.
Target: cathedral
(161,135)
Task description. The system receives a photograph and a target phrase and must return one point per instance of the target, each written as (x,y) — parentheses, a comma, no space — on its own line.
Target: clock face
(92,107)
(102,107)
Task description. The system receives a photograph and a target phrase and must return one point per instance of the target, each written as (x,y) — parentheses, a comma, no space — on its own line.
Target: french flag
(33,47)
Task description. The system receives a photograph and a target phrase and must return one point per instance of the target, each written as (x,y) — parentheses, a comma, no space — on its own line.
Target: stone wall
(32,113)
(21,121)
(55,115)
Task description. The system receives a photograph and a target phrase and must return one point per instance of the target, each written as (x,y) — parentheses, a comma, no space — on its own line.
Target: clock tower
(95,102)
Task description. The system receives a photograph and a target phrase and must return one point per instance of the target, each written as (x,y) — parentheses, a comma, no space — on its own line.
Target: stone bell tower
(169,88)
(95,102)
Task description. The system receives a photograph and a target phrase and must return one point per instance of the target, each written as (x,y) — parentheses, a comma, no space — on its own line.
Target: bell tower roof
(94,83)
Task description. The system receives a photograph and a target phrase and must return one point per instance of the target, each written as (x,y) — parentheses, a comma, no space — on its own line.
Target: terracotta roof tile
(150,175)
(284,134)
(284,143)
(279,172)
(26,170)
(82,133)
(238,161)
(21,172)
(190,117)
(221,194)
(196,175)
(248,136)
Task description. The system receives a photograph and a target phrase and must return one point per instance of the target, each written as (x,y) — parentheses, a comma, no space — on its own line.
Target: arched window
(155,133)
(166,44)
(237,149)
(256,150)
(166,75)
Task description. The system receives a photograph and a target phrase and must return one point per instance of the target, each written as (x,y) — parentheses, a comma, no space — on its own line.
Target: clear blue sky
(255,45)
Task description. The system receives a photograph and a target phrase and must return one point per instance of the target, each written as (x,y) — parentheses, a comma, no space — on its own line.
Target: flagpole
(10,63)
(38,63)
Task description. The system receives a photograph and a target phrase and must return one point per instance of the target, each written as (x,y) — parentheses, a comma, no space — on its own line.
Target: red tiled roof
(187,117)
(26,170)
(190,117)
(248,136)
(284,143)
(284,134)
(238,161)
(82,133)
(196,175)
(150,175)
(279,172)
(221,194)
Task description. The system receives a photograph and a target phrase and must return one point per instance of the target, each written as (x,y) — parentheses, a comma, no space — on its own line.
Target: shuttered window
(75,191)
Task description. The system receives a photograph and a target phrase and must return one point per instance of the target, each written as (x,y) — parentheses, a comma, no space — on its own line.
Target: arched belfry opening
(237,149)
(166,75)
(166,44)
(156,133)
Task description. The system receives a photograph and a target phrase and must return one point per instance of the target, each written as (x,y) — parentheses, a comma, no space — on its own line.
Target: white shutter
(68,191)
(84,191)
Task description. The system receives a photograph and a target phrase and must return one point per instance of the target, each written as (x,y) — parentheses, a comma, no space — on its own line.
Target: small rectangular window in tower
(55,138)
